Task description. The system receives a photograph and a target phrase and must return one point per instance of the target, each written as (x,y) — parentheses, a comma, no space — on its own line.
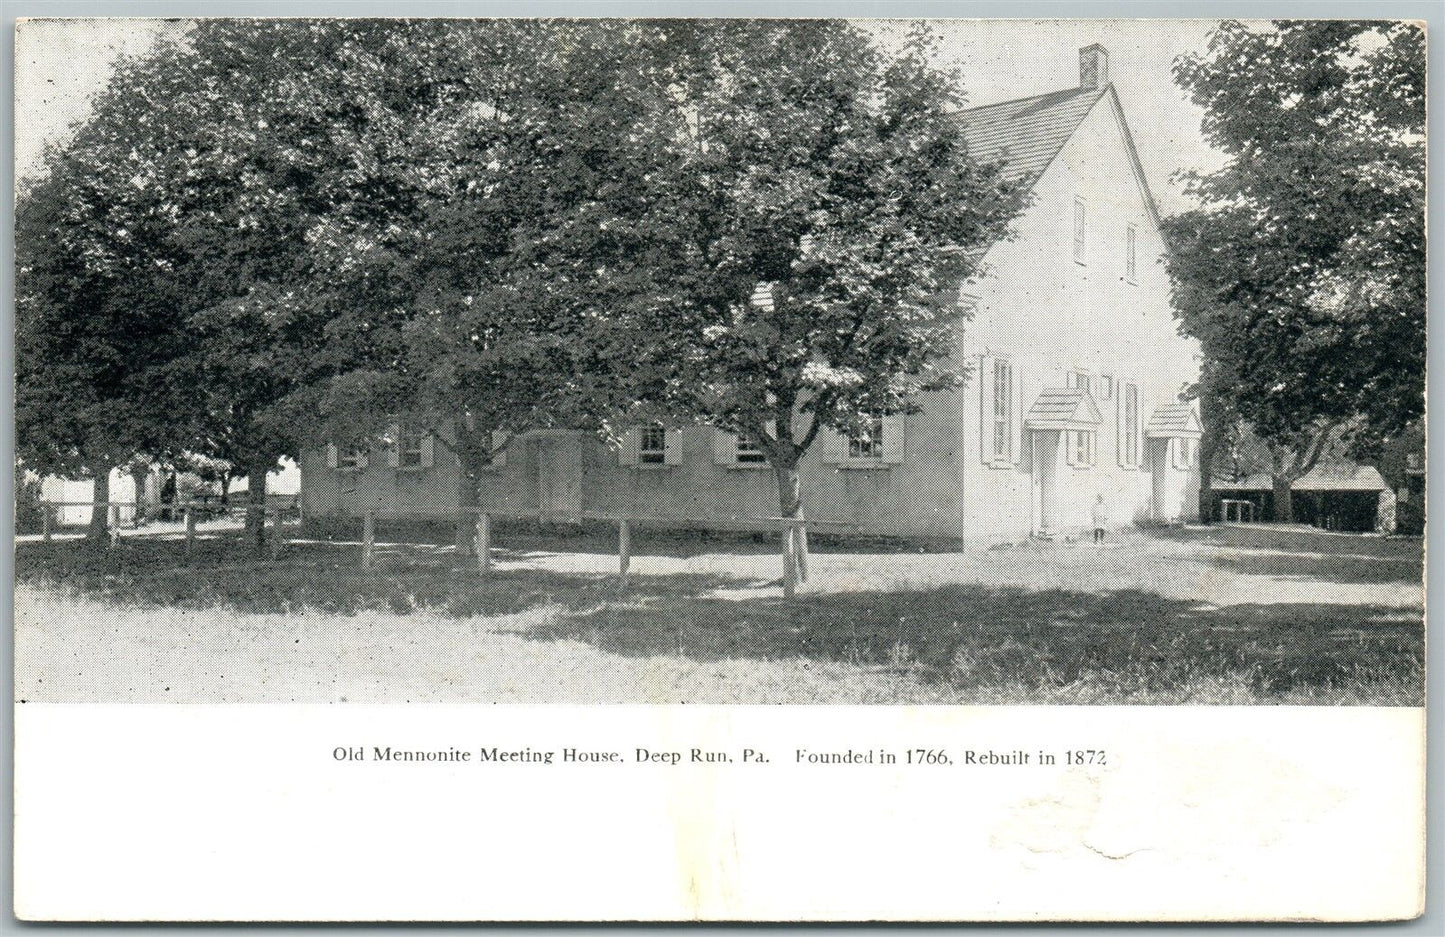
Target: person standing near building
(1101,519)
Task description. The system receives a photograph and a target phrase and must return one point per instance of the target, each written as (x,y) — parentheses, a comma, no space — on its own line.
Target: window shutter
(1016,417)
(1121,390)
(894,443)
(501,439)
(672,447)
(1071,379)
(771,428)
(1138,429)
(428,451)
(833,446)
(724,447)
(393,451)
(985,408)
(631,440)
(333,458)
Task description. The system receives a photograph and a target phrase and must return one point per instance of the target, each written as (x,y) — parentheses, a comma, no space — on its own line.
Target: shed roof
(1334,476)
(1174,420)
(1063,408)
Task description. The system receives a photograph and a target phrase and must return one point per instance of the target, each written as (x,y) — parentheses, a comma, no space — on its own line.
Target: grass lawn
(1226,615)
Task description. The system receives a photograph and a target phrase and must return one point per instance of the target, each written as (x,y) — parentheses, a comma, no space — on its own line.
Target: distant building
(1076,361)
(1333,496)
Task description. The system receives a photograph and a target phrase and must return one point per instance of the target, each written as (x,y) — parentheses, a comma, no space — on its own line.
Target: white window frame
(1131,255)
(1106,384)
(1081,231)
(1001,423)
(1086,440)
(652,455)
(748,453)
(867,447)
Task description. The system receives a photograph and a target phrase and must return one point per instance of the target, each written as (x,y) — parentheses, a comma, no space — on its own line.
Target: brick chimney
(1093,67)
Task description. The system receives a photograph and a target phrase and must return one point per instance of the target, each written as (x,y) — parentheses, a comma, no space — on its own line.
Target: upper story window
(1003,381)
(652,444)
(1130,263)
(1106,387)
(748,451)
(351,460)
(1080,231)
(867,442)
(1079,379)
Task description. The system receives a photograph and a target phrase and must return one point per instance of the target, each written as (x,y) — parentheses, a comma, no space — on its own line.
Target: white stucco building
(1077,367)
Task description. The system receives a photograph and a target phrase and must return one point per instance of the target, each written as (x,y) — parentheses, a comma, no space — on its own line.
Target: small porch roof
(1174,421)
(1065,408)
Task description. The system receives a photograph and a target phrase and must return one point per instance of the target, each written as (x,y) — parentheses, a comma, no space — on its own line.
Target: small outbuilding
(1335,496)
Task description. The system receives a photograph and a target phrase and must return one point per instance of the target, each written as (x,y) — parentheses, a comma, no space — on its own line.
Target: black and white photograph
(721,362)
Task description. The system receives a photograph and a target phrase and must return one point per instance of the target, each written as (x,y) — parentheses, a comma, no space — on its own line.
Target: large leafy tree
(804,234)
(1303,272)
(474,312)
(93,339)
(204,186)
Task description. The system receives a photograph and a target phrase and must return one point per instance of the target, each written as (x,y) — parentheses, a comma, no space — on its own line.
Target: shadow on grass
(1030,644)
(1005,645)
(327,577)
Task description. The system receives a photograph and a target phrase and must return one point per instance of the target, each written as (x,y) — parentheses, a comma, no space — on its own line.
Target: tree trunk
(1283,499)
(99,513)
(138,475)
(474,451)
(790,504)
(255,533)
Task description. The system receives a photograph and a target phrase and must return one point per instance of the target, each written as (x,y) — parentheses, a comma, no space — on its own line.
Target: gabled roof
(1063,408)
(1334,476)
(1174,420)
(1028,133)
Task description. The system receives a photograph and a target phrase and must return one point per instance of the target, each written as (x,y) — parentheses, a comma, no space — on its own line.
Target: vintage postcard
(719,469)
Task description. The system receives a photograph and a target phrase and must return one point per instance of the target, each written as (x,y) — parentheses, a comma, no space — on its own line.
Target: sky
(61,64)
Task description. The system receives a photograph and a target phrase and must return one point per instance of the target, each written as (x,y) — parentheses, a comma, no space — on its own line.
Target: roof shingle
(1028,133)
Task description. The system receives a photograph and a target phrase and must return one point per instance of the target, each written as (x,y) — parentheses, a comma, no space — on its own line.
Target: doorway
(559,476)
(1044,463)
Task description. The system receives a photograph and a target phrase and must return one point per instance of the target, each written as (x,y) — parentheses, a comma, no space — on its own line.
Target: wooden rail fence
(793,530)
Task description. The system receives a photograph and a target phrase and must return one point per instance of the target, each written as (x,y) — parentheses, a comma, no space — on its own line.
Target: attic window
(1079,231)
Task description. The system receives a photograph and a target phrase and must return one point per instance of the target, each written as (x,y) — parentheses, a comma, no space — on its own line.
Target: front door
(1159,493)
(559,476)
(1045,466)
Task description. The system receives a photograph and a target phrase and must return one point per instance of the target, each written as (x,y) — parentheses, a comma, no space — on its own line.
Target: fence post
(190,531)
(624,549)
(790,584)
(45,523)
(800,547)
(368,538)
(483,544)
(276,535)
